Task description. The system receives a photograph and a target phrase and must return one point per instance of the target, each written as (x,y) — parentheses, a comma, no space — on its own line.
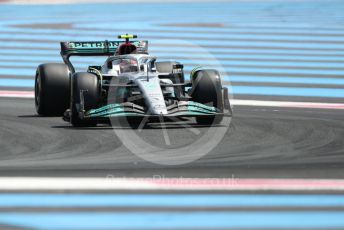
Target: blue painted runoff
(170,200)
(175,220)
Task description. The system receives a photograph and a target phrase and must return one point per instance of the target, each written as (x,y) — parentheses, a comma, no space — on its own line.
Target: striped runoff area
(142,203)
(171,211)
(266,50)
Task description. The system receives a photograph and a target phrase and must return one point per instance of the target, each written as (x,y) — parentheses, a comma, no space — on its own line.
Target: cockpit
(129,64)
(119,65)
(126,65)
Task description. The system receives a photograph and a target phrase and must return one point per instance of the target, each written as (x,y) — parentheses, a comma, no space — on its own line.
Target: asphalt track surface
(263,142)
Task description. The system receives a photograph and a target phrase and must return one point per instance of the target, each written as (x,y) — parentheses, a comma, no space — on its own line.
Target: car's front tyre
(207,89)
(88,84)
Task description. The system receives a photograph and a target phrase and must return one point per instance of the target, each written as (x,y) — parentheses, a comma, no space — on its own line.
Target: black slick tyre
(207,89)
(88,84)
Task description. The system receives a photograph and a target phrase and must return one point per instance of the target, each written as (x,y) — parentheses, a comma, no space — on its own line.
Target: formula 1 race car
(131,84)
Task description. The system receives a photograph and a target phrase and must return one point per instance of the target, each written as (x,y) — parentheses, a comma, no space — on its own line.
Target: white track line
(167,184)
(288,104)
(16,94)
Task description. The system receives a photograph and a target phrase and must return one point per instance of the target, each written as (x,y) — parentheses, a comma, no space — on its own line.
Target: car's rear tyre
(207,89)
(89,84)
(52,89)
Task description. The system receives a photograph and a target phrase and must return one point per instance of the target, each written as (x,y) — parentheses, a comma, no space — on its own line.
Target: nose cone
(153,96)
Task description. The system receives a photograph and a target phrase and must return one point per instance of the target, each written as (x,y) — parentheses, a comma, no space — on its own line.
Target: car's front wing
(127,109)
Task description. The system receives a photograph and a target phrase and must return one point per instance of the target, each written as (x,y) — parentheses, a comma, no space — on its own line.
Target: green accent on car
(198,106)
(106,111)
(117,110)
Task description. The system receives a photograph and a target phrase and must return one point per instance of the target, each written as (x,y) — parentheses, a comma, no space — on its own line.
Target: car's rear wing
(95,48)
